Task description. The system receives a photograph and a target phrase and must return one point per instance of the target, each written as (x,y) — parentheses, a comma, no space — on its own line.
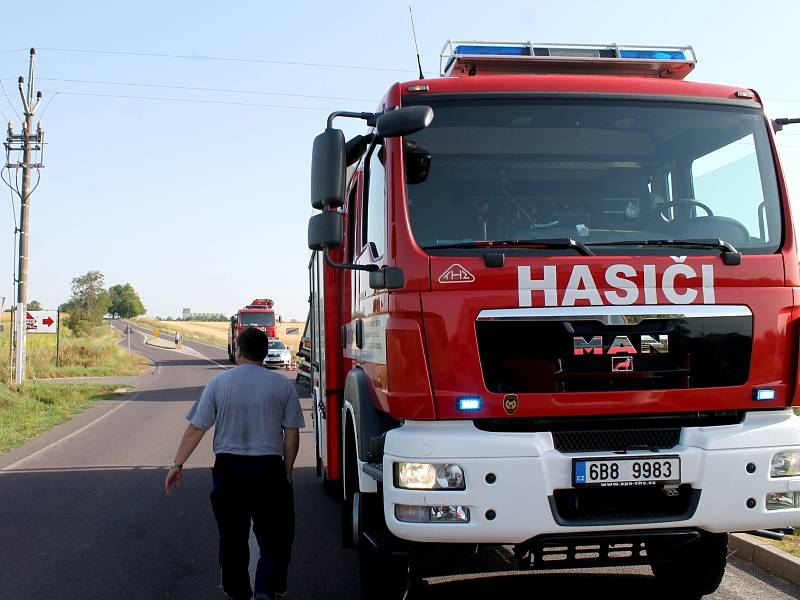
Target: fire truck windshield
(594,170)
(257,319)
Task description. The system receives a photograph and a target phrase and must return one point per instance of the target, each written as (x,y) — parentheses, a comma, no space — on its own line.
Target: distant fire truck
(259,314)
(556,306)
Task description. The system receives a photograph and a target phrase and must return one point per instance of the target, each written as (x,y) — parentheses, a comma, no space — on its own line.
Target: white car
(279,355)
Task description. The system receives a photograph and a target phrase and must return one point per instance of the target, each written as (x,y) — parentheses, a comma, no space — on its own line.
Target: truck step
(374,470)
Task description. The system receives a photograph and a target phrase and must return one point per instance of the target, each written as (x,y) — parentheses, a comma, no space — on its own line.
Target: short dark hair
(253,344)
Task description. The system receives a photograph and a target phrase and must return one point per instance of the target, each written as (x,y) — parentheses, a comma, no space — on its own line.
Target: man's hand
(191,437)
(173,478)
(289,475)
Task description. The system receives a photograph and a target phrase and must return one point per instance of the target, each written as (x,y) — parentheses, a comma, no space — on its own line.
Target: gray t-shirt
(250,406)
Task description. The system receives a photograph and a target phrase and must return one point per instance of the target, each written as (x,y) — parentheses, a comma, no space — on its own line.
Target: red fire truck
(555,303)
(259,313)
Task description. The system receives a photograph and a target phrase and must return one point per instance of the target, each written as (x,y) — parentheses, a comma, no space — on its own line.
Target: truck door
(317,318)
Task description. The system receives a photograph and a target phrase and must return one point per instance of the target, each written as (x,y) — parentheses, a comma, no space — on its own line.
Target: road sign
(41,321)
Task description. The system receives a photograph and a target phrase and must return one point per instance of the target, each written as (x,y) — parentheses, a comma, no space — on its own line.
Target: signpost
(21,327)
(40,321)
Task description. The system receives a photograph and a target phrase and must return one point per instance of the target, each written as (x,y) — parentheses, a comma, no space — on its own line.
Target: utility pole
(30,143)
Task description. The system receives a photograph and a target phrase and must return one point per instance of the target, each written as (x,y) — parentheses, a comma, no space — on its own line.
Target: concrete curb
(762,553)
(159,343)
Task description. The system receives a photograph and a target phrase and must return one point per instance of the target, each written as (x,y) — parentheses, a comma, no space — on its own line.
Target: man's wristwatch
(175,465)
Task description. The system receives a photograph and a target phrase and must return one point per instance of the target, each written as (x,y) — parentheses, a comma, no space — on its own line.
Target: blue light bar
(469,403)
(653,54)
(493,50)
(764,394)
(468,58)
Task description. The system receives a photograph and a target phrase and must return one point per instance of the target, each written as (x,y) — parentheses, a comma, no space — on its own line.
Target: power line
(46,106)
(226,59)
(8,100)
(203,89)
(191,100)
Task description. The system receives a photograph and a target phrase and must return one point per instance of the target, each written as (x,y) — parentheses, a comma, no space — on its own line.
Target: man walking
(258,417)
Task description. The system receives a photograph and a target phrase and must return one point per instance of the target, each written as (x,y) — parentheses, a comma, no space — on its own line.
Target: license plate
(626,472)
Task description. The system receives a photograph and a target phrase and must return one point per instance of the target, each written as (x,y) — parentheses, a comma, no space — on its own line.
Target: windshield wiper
(556,244)
(730,255)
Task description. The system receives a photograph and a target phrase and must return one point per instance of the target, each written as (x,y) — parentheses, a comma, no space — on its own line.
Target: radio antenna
(414,31)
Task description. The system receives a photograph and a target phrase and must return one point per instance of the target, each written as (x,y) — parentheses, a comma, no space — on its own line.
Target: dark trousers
(253,489)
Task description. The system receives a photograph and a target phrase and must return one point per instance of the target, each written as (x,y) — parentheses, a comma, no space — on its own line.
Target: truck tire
(231,357)
(696,569)
(384,576)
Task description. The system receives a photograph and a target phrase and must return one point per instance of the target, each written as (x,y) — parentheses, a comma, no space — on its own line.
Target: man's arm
(191,438)
(291,444)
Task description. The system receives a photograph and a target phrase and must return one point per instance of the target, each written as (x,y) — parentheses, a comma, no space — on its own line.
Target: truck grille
(617,506)
(576,354)
(612,440)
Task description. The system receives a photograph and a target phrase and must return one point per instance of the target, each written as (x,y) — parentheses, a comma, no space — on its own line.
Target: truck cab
(555,302)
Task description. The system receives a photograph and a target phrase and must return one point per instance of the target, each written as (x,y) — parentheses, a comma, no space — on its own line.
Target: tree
(34,305)
(125,302)
(89,303)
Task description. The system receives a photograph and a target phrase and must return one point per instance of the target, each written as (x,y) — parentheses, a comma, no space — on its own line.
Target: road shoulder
(761,553)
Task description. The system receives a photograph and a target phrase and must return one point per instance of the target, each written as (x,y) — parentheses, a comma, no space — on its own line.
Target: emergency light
(469,403)
(460,59)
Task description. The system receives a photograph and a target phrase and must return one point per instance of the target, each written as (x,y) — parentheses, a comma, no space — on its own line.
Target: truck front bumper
(725,480)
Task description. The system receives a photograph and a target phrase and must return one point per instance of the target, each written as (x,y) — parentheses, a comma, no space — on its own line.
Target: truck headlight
(431,514)
(783,500)
(785,464)
(428,476)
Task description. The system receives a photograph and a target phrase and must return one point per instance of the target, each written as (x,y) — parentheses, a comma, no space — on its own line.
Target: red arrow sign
(48,321)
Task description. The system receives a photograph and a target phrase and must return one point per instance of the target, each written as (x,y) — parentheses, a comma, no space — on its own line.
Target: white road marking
(190,351)
(67,437)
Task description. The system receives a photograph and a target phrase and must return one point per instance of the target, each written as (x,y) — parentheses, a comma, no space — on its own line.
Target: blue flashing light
(764,394)
(494,50)
(653,54)
(469,403)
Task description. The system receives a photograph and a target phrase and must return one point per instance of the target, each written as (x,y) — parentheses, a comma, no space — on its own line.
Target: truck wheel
(230,355)
(383,576)
(696,569)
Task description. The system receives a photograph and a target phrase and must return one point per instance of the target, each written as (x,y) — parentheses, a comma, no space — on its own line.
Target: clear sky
(205,203)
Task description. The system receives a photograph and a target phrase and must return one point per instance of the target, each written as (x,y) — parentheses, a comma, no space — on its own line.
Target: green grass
(97,355)
(28,410)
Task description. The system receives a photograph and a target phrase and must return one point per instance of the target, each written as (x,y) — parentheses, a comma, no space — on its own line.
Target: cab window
(373,216)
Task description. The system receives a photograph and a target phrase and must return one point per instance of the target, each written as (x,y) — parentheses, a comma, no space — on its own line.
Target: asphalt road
(83,514)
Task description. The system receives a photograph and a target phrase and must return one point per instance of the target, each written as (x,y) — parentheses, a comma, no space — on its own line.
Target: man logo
(510,404)
(456,274)
(622,364)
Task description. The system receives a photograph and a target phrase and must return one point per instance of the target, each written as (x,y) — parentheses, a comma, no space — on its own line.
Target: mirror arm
(777,124)
(352,267)
(370,118)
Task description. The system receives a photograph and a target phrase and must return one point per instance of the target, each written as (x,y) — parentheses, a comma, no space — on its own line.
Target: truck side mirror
(328,169)
(387,278)
(325,230)
(403,121)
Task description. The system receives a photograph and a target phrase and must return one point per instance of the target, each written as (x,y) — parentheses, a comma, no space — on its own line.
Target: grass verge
(29,409)
(790,544)
(97,355)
